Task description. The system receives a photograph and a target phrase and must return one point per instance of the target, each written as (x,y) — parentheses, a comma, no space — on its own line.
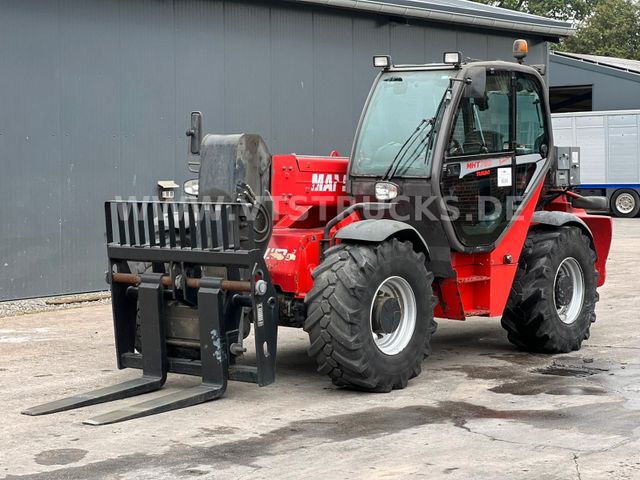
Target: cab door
(496,145)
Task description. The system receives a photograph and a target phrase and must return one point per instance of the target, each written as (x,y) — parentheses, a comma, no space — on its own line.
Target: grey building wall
(95,96)
(613,89)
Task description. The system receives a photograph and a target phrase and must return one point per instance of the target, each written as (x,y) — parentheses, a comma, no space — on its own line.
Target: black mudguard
(376,231)
(561,219)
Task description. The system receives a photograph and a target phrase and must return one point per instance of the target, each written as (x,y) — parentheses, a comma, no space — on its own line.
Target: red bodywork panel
(601,229)
(309,191)
(483,280)
(306,193)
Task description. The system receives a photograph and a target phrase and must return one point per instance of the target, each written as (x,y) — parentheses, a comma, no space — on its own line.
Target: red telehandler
(454,203)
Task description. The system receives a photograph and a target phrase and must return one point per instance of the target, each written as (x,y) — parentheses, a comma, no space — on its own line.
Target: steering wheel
(455,149)
(383,152)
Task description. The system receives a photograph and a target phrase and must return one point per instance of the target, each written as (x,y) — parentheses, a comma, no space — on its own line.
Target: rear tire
(625,203)
(370,315)
(552,302)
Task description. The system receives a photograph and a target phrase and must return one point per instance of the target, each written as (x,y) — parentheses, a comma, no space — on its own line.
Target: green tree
(604,27)
(573,11)
(612,30)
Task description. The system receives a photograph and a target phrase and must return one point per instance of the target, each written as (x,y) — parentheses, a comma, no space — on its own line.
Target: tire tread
(332,308)
(530,316)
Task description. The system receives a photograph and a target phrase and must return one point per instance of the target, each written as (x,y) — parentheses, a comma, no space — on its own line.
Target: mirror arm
(195,133)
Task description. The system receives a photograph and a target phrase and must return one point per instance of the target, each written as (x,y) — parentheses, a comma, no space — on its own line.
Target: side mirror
(195,133)
(544,150)
(475,83)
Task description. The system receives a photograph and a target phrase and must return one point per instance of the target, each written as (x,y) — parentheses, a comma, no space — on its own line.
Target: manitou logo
(326,182)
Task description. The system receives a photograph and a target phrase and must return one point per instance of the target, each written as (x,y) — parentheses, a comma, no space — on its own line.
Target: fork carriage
(188,312)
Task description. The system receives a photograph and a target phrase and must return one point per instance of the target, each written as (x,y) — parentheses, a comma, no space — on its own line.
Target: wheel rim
(395,290)
(625,203)
(568,290)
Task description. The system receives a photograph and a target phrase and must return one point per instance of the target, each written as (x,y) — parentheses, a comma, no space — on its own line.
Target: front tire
(370,315)
(552,302)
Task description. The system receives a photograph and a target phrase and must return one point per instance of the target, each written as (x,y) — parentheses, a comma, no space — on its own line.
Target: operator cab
(473,137)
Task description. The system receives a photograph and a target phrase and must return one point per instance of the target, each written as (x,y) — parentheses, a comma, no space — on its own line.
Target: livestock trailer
(609,155)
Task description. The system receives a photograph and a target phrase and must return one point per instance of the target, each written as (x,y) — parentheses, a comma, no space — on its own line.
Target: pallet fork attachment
(216,241)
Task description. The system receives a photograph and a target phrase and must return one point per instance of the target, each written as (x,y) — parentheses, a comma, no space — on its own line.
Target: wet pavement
(480,409)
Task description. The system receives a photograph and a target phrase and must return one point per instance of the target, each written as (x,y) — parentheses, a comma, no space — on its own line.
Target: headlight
(191,187)
(386,191)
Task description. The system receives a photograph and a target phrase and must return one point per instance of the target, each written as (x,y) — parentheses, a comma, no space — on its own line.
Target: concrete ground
(480,409)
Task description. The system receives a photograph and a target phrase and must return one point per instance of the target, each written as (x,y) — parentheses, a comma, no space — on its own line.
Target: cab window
(530,124)
(495,148)
(478,175)
(482,125)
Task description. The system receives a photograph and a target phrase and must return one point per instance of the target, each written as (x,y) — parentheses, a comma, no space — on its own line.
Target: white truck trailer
(609,155)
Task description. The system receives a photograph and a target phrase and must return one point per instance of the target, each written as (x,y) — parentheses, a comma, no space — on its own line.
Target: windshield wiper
(424,143)
(408,143)
(417,152)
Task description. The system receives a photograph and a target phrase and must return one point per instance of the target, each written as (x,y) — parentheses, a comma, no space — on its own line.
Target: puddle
(559,378)
(568,370)
(537,386)
(577,368)
(62,456)
(609,418)
(580,390)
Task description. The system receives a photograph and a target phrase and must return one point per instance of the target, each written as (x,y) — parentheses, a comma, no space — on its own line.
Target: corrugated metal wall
(95,96)
(610,144)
